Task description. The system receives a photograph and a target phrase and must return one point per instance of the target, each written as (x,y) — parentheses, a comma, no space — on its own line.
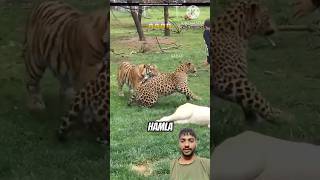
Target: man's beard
(187,152)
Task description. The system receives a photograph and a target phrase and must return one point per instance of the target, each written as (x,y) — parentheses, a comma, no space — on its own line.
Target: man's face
(187,145)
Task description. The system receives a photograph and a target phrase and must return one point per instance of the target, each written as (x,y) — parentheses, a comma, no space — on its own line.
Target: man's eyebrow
(191,138)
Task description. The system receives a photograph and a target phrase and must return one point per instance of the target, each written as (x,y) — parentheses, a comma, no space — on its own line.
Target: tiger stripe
(65,40)
(134,75)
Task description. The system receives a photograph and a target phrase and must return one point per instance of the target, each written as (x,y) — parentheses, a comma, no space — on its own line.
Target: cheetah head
(187,67)
(247,17)
(258,18)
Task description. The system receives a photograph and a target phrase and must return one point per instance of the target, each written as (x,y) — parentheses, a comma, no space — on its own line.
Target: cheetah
(230,33)
(164,84)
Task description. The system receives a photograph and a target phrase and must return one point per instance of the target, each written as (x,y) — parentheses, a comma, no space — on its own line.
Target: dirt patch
(151,44)
(142,169)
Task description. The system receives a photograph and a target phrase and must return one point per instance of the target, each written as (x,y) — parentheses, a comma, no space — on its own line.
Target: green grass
(28,143)
(131,144)
(293,87)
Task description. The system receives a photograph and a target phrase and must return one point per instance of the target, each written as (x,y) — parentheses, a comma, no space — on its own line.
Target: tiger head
(152,70)
(148,70)
(95,33)
(99,21)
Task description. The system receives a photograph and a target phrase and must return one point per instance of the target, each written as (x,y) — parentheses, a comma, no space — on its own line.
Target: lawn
(136,153)
(292,81)
(28,143)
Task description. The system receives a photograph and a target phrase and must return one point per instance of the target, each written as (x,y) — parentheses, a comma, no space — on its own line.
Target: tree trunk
(166,19)
(137,22)
(140,13)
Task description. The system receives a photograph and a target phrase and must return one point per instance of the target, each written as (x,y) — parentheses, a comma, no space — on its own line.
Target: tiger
(65,40)
(134,75)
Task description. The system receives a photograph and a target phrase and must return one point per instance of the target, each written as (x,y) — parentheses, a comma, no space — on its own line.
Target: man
(206,37)
(189,166)
(303,7)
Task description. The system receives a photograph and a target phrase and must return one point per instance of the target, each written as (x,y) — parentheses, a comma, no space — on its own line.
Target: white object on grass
(189,113)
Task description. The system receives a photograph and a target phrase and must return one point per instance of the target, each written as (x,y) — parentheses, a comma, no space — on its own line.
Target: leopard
(230,33)
(91,104)
(164,84)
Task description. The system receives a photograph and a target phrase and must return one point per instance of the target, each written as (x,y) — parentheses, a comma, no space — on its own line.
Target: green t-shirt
(199,169)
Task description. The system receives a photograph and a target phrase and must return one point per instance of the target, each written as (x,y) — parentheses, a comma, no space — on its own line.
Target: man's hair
(187,131)
(207,23)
